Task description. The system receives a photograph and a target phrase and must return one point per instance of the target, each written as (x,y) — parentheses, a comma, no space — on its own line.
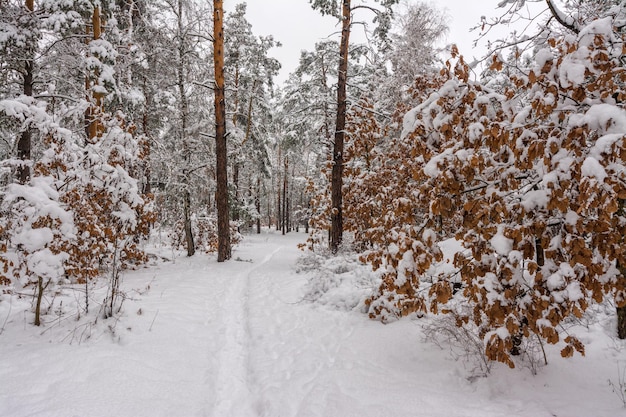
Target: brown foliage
(535,176)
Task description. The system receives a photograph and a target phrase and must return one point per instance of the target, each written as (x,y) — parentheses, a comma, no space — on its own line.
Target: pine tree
(343,12)
(221,152)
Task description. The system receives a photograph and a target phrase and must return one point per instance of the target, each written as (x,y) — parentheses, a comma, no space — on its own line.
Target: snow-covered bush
(537,172)
(339,282)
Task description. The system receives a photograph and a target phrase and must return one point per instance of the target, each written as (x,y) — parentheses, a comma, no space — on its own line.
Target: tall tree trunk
(94,111)
(146,143)
(279,211)
(189,241)
(284,210)
(184,116)
(236,206)
(257,205)
(221,170)
(237,164)
(236,91)
(324,83)
(336,228)
(288,217)
(306,220)
(24,142)
(249,121)
(269,211)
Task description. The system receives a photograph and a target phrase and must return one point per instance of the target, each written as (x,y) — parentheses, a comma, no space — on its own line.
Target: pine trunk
(191,247)
(279,219)
(257,204)
(336,230)
(236,205)
(288,217)
(24,142)
(223,226)
(269,213)
(279,212)
(93,114)
(284,209)
(184,117)
(145,144)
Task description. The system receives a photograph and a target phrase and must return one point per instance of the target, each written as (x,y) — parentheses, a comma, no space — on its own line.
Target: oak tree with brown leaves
(537,174)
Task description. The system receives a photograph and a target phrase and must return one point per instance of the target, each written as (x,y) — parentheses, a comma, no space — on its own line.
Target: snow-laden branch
(566,21)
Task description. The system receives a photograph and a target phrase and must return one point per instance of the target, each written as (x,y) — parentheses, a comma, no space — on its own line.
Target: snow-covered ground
(198,338)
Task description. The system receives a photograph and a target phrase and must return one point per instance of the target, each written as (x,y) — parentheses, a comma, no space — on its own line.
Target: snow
(592,168)
(606,118)
(572,74)
(201,338)
(475,131)
(501,244)
(431,168)
(543,56)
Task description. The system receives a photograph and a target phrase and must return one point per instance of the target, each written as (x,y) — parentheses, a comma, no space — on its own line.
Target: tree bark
(621,322)
(24,142)
(279,211)
(94,111)
(146,143)
(191,247)
(184,116)
(257,204)
(223,224)
(236,205)
(284,210)
(40,290)
(336,230)
(279,216)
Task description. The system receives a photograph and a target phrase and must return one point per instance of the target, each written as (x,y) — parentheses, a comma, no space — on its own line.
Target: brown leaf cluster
(530,179)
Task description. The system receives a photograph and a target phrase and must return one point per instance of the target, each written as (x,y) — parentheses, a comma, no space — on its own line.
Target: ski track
(211,339)
(234,368)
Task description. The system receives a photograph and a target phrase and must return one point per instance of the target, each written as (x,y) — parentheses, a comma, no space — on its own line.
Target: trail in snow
(233,379)
(198,338)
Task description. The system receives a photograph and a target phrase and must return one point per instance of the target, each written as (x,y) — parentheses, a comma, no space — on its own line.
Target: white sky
(298,27)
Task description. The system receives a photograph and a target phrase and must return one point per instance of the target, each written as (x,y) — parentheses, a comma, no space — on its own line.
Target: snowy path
(233,361)
(200,338)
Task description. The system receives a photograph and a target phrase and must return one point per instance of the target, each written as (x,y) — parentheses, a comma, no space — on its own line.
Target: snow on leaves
(80,212)
(530,178)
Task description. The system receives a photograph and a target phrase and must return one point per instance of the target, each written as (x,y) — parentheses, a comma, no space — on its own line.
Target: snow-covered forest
(392,230)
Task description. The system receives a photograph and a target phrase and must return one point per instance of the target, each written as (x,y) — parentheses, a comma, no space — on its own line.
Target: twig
(151,324)
(8,315)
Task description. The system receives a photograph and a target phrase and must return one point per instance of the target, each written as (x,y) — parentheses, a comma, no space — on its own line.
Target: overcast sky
(298,27)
